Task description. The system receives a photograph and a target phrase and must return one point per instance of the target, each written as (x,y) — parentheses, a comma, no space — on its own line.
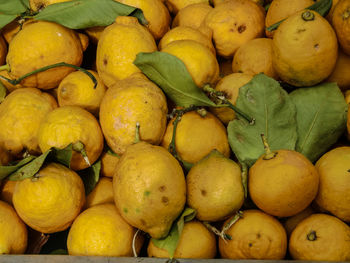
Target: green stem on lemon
(268,153)
(311,236)
(219,98)
(216,231)
(5,67)
(137,133)
(80,147)
(227,226)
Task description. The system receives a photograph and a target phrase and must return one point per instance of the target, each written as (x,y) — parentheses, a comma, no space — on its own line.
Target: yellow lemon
(230,85)
(6,190)
(149,188)
(128,102)
(305,49)
(234,23)
(13,238)
(214,187)
(94,33)
(51,200)
(102,193)
(21,114)
(341,24)
(197,136)
(175,5)
(341,72)
(101,231)
(192,15)
(185,33)
(72,124)
(40,44)
(77,88)
(255,57)
(118,46)
(156,14)
(109,164)
(196,241)
(200,62)
(293,221)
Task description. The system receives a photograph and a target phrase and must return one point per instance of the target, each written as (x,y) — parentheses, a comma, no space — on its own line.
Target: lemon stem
(220,99)
(227,226)
(61,64)
(268,153)
(134,243)
(137,133)
(311,236)
(80,147)
(216,231)
(5,67)
(244,179)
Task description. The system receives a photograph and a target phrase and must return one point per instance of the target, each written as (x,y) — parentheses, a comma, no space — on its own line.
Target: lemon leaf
(63,156)
(275,116)
(79,14)
(6,19)
(322,7)
(171,74)
(171,241)
(90,176)
(7,170)
(13,7)
(321,118)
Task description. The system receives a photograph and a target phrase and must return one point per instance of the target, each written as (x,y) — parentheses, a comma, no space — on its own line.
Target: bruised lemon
(197,136)
(21,114)
(72,124)
(118,46)
(149,188)
(41,44)
(13,238)
(50,201)
(101,231)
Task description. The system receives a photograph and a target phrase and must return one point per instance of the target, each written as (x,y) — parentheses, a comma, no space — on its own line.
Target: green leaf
(275,116)
(7,170)
(30,169)
(322,7)
(171,74)
(90,176)
(79,14)
(321,118)
(171,241)
(6,19)
(12,7)
(63,156)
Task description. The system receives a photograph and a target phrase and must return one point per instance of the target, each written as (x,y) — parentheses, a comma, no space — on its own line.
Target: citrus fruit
(255,57)
(341,24)
(149,188)
(40,44)
(109,162)
(175,5)
(102,193)
(234,23)
(21,114)
(196,241)
(283,184)
(128,102)
(6,190)
(50,201)
(72,124)
(101,231)
(341,72)
(305,49)
(214,187)
(255,236)
(192,15)
(320,237)
(333,192)
(77,88)
(293,221)
(197,136)
(13,238)
(118,46)
(199,60)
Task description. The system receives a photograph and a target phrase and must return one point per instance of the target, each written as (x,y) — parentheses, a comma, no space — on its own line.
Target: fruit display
(175,129)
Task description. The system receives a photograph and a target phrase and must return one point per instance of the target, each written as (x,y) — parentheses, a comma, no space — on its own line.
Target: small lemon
(6,190)
(149,188)
(102,193)
(109,164)
(77,88)
(72,124)
(13,238)
(51,200)
(197,136)
(101,231)
(341,71)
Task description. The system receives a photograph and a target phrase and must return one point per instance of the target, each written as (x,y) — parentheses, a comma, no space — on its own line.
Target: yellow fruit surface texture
(50,202)
(118,46)
(341,24)
(131,101)
(192,15)
(40,44)
(101,194)
(149,188)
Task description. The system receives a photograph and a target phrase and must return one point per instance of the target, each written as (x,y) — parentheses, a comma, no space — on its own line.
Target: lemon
(109,164)
(192,15)
(102,193)
(175,5)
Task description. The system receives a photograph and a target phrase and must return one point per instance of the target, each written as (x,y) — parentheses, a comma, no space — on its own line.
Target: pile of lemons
(295,205)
